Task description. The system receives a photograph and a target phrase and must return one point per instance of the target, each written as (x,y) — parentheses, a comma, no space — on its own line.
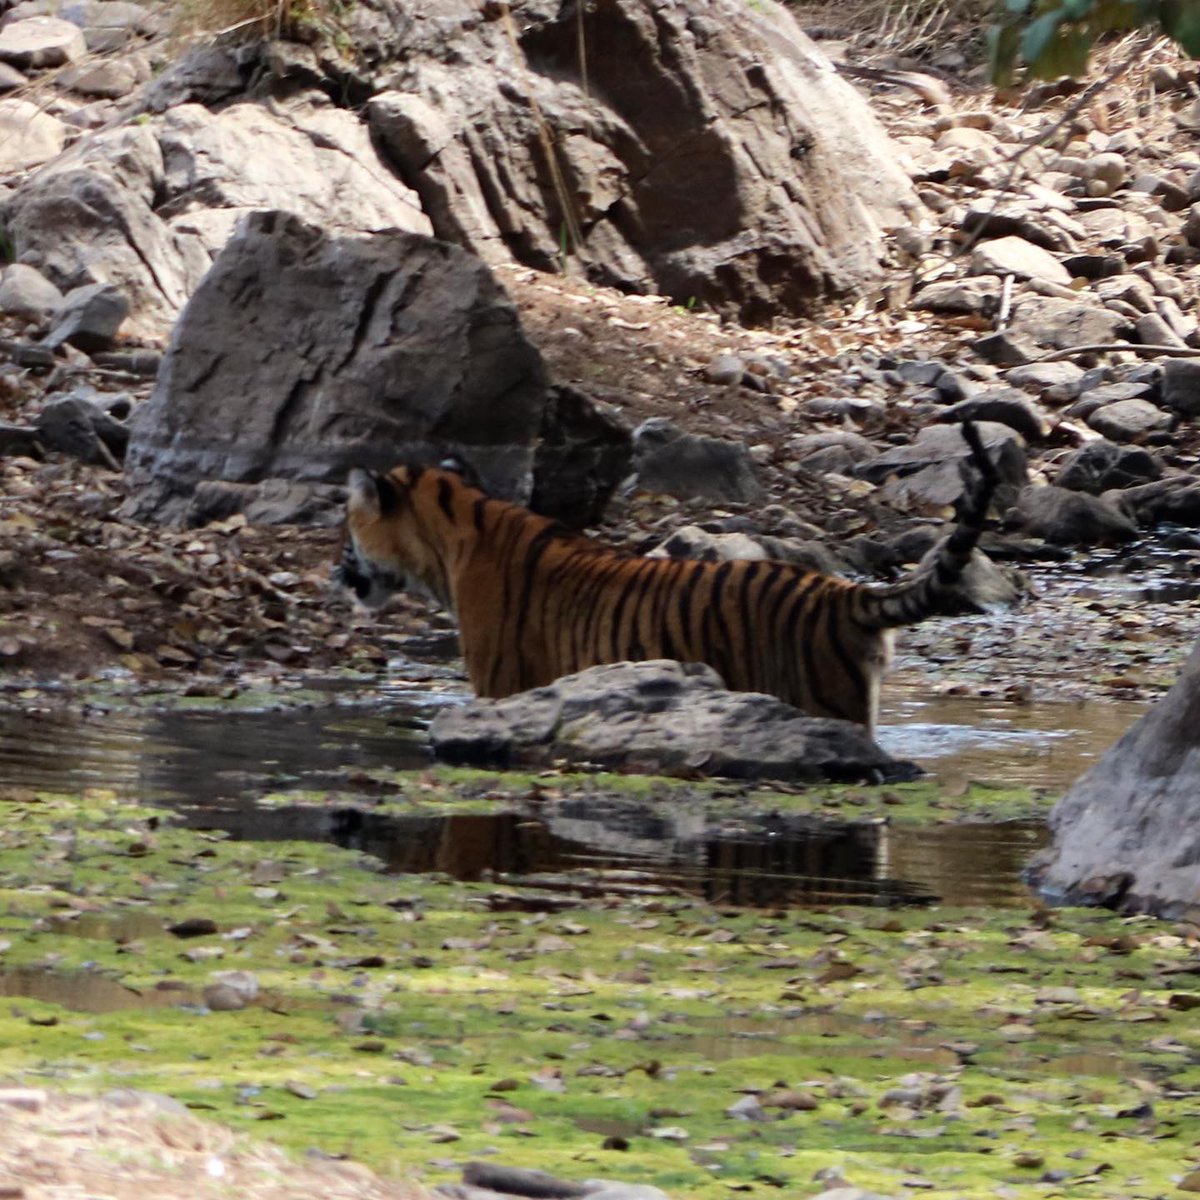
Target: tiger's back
(535,602)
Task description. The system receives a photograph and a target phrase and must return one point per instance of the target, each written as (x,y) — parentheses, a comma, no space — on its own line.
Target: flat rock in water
(659,717)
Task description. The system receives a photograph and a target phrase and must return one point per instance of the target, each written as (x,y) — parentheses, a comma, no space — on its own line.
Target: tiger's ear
(462,469)
(371,495)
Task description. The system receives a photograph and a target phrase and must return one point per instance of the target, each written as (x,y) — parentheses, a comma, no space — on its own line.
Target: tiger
(535,601)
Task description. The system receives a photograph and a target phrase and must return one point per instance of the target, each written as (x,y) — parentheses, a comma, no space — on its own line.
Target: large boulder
(302,355)
(659,717)
(146,207)
(1127,835)
(706,151)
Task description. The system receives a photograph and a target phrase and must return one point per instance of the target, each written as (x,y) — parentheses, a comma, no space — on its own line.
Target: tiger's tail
(936,587)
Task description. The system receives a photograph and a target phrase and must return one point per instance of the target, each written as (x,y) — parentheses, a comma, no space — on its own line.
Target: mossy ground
(443,789)
(417,1022)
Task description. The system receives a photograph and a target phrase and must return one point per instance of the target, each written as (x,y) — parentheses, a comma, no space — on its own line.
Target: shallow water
(214,766)
(1045,744)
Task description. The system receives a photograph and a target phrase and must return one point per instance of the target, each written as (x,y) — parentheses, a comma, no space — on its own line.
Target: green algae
(448,790)
(418,1022)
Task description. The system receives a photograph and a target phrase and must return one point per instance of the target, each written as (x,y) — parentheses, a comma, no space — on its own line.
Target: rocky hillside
(714,306)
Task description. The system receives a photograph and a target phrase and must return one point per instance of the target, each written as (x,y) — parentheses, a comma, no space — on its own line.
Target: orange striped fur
(534,601)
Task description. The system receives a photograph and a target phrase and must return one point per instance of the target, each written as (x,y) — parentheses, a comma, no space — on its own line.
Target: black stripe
(693,572)
(718,654)
(478,510)
(445,497)
(851,667)
(620,649)
(533,555)
(800,611)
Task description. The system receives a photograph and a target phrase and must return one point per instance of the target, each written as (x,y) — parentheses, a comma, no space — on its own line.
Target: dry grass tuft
(911,28)
(270,18)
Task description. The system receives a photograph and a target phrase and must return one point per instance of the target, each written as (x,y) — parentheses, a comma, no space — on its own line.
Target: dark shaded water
(213,766)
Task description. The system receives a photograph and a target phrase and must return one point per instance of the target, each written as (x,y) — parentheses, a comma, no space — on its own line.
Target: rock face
(659,717)
(146,207)
(302,355)
(707,152)
(1127,835)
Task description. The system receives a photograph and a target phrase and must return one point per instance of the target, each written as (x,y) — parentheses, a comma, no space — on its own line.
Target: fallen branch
(1110,347)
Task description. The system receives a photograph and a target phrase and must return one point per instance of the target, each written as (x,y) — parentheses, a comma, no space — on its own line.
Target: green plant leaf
(1038,36)
(1003,41)
(1181,20)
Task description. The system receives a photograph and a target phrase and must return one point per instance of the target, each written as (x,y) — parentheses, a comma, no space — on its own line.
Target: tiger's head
(400,533)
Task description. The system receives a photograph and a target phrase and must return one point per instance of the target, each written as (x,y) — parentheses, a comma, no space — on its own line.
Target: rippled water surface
(214,766)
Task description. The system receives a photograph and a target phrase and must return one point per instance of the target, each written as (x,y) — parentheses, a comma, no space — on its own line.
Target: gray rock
(305,326)
(1015,256)
(1055,382)
(583,452)
(28,136)
(220,997)
(691,541)
(830,460)
(600,1189)
(1181,385)
(1004,406)
(986,220)
(1097,395)
(26,292)
(11,78)
(1102,466)
(1104,174)
(205,74)
(1067,518)
(1129,420)
(108,80)
(147,206)
(657,717)
(1131,289)
(89,318)
(923,371)
(38,42)
(978,296)
(1152,330)
(75,426)
(690,466)
(1005,349)
(1127,835)
(1191,226)
(89,216)
(272,502)
(850,1193)
(713,224)
(17,441)
(1063,324)
(854,445)
(724,369)
(929,470)
(1175,499)
(110,14)
(306,157)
